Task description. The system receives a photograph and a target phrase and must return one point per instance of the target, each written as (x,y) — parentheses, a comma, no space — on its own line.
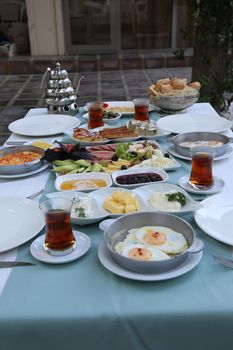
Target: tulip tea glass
(95,114)
(59,238)
(201,176)
(141,106)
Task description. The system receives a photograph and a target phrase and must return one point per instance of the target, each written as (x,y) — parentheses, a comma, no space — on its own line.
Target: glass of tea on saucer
(201,176)
(141,106)
(95,114)
(59,237)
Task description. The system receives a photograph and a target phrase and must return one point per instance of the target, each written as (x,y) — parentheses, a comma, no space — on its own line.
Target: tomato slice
(105,105)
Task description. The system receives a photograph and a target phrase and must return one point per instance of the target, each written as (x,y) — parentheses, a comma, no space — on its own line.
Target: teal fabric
(83,306)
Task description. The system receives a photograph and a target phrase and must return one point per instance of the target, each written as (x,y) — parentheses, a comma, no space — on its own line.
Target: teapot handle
(78,85)
(44,77)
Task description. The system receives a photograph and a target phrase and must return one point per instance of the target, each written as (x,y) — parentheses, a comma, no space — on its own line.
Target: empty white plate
(21,219)
(215,217)
(189,122)
(43,125)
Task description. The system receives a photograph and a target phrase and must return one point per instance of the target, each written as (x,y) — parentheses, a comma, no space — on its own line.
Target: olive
(124,167)
(115,157)
(166,155)
(133,153)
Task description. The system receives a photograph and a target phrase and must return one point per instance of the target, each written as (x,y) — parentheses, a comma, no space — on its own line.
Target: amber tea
(141,106)
(59,235)
(95,114)
(59,238)
(201,174)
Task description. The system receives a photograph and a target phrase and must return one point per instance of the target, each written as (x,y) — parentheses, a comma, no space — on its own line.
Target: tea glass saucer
(217,186)
(38,252)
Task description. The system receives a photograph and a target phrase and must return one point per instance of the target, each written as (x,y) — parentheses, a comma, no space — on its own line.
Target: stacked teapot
(60,95)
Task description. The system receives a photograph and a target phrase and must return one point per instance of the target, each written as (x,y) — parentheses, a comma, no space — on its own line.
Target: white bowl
(83,176)
(158,171)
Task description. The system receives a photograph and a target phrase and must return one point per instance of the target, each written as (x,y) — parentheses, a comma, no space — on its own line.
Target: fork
(224,261)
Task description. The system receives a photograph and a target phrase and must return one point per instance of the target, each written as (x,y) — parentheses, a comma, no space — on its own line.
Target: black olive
(134,153)
(124,167)
(166,155)
(115,157)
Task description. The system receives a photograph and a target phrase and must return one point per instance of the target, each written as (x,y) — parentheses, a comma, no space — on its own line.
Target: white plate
(158,171)
(188,122)
(70,133)
(107,261)
(98,213)
(43,125)
(217,186)
(109,121)
(145,193)
(118,104)
(215,217)
(83,176)
(17,176)
(227,154)
(38,252)
(21,219)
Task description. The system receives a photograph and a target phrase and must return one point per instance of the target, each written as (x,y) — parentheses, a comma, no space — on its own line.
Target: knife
(14,263)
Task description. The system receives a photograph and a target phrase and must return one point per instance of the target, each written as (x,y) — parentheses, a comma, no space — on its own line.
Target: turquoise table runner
(81,305)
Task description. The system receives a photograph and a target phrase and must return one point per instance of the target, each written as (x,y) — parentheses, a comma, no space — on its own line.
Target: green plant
(212,61)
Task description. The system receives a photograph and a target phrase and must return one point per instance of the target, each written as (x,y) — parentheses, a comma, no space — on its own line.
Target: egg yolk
(140,254)
(154,238)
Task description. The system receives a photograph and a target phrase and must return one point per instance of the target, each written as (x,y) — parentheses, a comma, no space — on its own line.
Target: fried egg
(140,252)
(162,238)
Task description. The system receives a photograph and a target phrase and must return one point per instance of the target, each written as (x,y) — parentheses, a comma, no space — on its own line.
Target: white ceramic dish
(106,260)
(83,176)
(175,165)
(145,192)
(101,195)
(98,213)
(217,186)
(189,122)
(215,217)
(118,105)
(158,171)
(43,125)
(142,193)
(38,252)
(21,219)
(227,154)
(17,176)
(109,121)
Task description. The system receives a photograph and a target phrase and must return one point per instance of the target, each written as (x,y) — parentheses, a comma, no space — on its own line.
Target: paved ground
(19,93)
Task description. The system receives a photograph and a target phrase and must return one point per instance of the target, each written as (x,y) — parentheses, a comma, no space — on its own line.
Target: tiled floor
(19,93)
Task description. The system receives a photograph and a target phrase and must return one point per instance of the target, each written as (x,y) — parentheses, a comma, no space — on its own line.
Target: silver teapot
(60,95)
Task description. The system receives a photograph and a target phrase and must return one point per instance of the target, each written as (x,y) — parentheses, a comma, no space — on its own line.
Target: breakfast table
(83,305)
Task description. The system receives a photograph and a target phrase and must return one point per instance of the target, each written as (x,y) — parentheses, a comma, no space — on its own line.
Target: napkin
(4,273)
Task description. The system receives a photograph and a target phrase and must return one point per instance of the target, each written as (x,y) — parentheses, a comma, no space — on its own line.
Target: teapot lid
(57,72)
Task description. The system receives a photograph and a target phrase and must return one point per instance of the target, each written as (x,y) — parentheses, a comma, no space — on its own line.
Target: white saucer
(106,260)
(16,176)
(38,252)
(227,154)
(217,186)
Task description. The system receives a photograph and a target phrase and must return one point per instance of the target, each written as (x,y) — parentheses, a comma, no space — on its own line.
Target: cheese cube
(113,206)
(130,208)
